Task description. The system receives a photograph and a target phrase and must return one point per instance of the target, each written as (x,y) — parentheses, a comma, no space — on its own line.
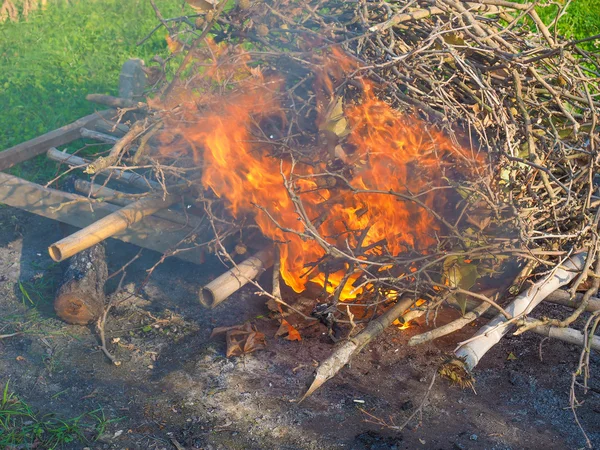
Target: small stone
(473,437)
(407,405)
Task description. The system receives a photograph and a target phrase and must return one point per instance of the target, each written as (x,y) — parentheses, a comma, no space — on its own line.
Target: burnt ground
(175,384)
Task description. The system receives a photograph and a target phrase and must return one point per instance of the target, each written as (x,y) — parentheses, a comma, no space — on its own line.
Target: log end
(207,298)
(76,310)
(55,253)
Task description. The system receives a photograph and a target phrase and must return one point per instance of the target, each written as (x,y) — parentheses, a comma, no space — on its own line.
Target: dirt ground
(176,387)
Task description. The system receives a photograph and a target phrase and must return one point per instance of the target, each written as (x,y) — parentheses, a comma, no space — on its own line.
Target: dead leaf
(288,329)
(334,119)
(511,356)
(480,222)
(274,306)
(172,44)
(241,339)
(458,273)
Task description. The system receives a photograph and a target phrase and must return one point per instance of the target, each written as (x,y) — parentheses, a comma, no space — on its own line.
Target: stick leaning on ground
(344,352)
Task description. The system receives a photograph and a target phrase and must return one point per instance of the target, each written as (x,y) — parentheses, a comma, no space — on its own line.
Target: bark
(80,299)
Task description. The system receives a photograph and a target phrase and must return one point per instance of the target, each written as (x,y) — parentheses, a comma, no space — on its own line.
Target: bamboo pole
(126,177)
(222,287)
(120,198)
(471,352)
(342,354)
(152,233)
(107,226)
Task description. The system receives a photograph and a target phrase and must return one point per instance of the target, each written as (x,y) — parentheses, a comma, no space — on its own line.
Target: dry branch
(348,349)
(568,335)
(98,136)
(122,176)
(471,352)
(115,153)
(116,102)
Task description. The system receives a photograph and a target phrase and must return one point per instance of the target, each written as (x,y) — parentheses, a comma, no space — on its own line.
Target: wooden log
(568,335)
(108,226)
(222,287)
(110,127)
(98,136)
(133,79)
(561,297)
(121,176)
(63,135)
(117,102)
(151,232)
(119,198)
(80,299)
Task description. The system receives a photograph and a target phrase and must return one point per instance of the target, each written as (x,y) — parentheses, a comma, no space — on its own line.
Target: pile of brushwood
(400,156)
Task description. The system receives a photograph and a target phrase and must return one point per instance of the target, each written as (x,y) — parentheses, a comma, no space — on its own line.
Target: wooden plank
(151,232)
(63,135)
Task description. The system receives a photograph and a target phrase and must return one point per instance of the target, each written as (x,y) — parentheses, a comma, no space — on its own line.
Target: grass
(580,20)
(21,426)
(52,60)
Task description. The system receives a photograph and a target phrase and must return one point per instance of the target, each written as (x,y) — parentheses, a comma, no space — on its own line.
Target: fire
(389,153)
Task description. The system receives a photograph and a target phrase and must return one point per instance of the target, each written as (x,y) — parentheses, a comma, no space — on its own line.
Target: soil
(175,387)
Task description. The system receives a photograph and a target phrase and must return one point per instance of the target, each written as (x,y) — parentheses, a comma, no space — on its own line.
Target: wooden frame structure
(156,229)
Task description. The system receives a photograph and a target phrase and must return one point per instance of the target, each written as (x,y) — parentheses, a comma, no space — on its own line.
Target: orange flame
(392,153)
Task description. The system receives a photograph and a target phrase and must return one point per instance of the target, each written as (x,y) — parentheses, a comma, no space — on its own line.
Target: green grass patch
(54,59)
(22,427)
(581,19)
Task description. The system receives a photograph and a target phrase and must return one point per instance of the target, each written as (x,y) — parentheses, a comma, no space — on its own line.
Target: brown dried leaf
(241,339)
(288,329)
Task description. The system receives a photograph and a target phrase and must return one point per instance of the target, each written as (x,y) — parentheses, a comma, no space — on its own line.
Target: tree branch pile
(499,111)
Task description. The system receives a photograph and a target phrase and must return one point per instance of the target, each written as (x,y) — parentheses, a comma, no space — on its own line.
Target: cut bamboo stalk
(63,135)
(471,352)
(568,335)
(346,350)
(121,176)
(119,198)
(108,226)
(152,233)
(222,287)
(98,136)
